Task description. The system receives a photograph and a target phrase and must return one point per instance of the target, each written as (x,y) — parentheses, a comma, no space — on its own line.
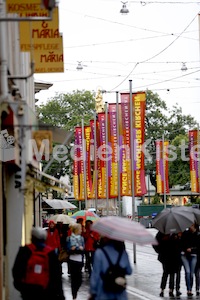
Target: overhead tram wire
(160,52)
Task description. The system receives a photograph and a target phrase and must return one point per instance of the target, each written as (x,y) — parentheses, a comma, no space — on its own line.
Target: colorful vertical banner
(139,104)
(126,154)
(194,138)
(93,155)
(138,129)
(162,179)
(87,136)
(75,164)
(102,156)
(78,133)
(113,182)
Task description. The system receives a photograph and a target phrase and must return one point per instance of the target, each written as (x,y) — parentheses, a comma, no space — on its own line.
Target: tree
(66,111)
(172,123)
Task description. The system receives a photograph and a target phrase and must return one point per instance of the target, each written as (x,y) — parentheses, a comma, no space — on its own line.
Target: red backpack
(37,269)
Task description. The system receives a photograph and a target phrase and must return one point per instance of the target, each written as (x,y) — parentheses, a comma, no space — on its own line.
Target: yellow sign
(43,40)
(49,61)
(26,7)
(40,35)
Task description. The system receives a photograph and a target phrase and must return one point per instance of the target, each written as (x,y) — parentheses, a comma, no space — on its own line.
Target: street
(143,284)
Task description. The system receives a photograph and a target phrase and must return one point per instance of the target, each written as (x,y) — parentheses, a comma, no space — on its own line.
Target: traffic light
(48,4)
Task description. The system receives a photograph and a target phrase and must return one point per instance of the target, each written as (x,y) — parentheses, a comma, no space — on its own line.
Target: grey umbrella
(173,220)
(192,210)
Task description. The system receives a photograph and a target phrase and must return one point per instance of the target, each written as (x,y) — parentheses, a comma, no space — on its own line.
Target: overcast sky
(148,46)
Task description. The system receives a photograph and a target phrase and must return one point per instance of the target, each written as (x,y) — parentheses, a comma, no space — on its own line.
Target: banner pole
(118,158)
(132,152)
(107,197)
(95,160)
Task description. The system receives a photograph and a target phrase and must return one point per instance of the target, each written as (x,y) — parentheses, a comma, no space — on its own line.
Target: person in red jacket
(53,237)
(90,238)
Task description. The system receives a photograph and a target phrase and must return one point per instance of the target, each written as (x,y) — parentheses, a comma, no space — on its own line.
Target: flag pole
(106,111)
(132,152)
(118,158)
(95,159)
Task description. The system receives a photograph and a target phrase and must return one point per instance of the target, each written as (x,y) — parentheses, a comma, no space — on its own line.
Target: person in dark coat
(33,291)
(189,255)
(169,250)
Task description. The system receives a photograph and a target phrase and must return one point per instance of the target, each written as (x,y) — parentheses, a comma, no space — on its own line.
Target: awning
(59,204)
(33,175)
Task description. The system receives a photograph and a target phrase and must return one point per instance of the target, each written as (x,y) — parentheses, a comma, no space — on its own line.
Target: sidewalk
(143,284)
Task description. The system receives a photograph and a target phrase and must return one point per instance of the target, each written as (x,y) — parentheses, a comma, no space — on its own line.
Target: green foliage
(173,124)
(66,111)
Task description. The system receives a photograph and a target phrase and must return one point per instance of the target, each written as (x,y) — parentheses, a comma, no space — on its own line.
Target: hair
(38,233)
(79,220)
(76,228)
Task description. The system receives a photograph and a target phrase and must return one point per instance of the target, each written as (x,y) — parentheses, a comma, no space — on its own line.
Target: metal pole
(84,166)
(3,97)
(107,197)
(118,157)
(149,198)
(164,177)
(95,160)
(132,152)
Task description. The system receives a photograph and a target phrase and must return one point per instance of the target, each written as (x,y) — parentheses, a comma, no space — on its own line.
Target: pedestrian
(169,249)
(91,238)
(53,237)
(112,253)
(36,270)
(76,250)
(189,242)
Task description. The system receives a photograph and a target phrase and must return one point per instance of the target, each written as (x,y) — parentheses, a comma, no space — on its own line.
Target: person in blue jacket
(113,248)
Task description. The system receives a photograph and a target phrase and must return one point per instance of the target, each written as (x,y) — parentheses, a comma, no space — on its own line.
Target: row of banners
(92,156)
(41,38)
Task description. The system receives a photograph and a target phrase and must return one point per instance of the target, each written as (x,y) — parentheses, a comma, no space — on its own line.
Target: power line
(148,59)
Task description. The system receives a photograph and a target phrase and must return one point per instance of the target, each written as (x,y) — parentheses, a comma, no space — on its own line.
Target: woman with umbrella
(169,251)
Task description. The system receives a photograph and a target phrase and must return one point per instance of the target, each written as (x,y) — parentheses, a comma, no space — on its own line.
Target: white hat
(39,233)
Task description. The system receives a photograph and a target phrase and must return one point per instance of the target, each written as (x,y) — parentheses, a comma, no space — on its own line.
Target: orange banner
(138,129)
(162,174)
(139,103)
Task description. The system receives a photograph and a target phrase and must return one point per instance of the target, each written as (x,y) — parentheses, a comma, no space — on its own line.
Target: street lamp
(184,67)
(124,10)
(79,66)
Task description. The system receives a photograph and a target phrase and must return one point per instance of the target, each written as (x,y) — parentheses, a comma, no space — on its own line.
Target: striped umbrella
(122,229)
(86,215)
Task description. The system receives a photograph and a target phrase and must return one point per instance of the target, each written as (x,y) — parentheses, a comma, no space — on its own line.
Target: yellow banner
(40,35)
(26,7)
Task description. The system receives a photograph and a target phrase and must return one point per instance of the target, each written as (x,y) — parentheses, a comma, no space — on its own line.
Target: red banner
(76,170)
(87,136)
(126,156)
(102,156)
(113,182)
(79,164)
(194,138)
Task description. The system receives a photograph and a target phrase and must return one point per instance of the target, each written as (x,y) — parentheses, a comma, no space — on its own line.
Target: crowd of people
(177,250)
(84,252)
